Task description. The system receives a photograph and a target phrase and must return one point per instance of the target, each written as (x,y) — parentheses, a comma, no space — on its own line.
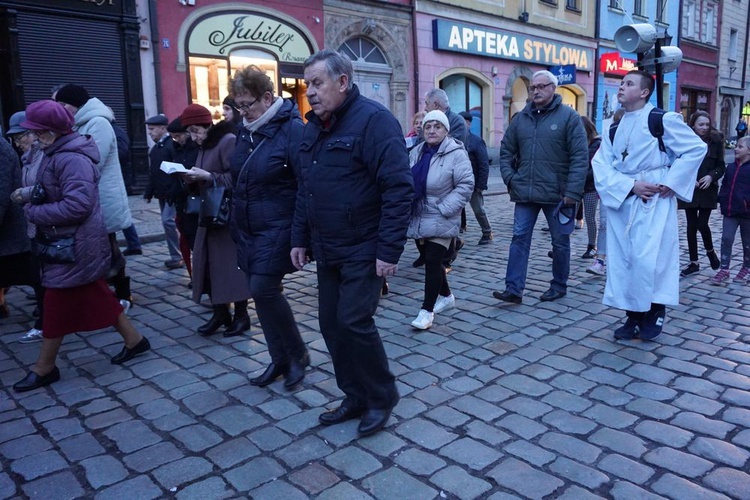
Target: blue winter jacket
(265,191)
(356,188)
(734,196)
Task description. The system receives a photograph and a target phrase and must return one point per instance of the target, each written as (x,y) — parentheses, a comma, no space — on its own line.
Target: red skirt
(79,309)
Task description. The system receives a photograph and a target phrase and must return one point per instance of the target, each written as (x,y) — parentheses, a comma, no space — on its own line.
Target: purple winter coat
(70,179)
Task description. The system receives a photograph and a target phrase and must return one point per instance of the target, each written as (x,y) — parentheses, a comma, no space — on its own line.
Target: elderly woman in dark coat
(215,270)
(66,203)
(263,170)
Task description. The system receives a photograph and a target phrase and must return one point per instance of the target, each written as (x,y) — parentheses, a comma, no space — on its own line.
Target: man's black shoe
(551,295)
(133,251)
(373,420)
(34,381)
(507,296)
(341,414)
(629,330)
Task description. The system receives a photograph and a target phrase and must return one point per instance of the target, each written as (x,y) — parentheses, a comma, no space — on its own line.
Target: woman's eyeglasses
(246,106)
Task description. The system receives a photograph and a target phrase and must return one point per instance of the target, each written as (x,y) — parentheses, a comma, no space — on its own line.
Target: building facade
(613,64)
(94,43)
(698,73)
(733,93)
(197,45)
(483,55)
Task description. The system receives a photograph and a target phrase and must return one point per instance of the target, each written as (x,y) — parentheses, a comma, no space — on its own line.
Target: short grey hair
(440,97)
(336,64)
(549,76)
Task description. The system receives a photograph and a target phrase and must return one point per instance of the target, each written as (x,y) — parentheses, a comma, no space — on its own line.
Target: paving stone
(230,453)
(50,413)
(433,395)
(686,367)
(270,438)
(78,396)
(460,483)
(235,420)
(37,402)
(573,384)
(611,361)
(184,470)
(651,373)
(627,491)
(16,429)
(140,487)
(151,368)
(530,452)
(103,471)
(698,386)
(719,451)
(314,478)
(98,406)
(682,489)
(213,488)
(102,420)
(486,433)
(353,462)
(25,446)
(651,391)
(730,379)
(139,395)
(343,491)
(621,442)
(519,477)
(205,402)
(527,407)
(610,417)
(570,424)
(393,483)
(698,404)
(156,408)
(7,486)
(254,473)
(651,409)
(738,416)
(419,462)
(131,436)
(425,433)
(495,394)
(62,486)
(608,377)
(63,427)
(304,450)
(570,446)
(524,385)
(610,395)
(471,453)
(581,474)
(79,447)
(278,490)
(703,425)
(522,426)
(733,482)
(447,416)
(152,457)
(197,437)
(173,421)
(563,363)
(626,468)
(577,493)
(566,401)
(477,408)
(677,461)
(279,408)
(38,464)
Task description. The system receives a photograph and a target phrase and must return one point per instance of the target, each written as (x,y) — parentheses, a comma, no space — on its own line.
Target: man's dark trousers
(348,295)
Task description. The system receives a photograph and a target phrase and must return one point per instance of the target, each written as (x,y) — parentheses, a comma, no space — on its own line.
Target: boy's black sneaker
(629,330)
(651,325)
(691,268)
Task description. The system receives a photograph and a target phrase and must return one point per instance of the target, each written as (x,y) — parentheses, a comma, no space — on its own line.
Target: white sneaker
(32,335)
(443,303)
(423,320)
(125,305)
(598,267)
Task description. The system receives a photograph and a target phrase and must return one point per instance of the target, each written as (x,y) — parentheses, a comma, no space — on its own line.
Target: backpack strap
(656,126)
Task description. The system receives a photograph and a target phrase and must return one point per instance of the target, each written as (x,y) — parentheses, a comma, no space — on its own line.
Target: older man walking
(543,161)
(353,210)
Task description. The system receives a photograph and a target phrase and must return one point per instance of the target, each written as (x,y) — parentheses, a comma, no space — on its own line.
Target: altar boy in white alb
(639,184)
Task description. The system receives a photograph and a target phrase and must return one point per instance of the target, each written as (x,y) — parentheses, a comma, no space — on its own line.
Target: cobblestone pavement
(498,401)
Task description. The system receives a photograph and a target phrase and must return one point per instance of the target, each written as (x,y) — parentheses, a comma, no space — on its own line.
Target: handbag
(193,204)
(215,207)
(54,249)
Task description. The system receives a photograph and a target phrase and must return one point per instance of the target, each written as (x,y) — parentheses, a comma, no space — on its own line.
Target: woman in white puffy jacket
(443,183)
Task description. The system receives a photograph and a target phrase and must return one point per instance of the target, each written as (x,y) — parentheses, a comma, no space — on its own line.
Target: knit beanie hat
(48,115)
(195,114)
(175,126)
(439,116)
(228,101)
(72,94)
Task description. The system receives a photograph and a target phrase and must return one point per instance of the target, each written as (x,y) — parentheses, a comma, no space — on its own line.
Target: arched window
(465,94)
(362,50)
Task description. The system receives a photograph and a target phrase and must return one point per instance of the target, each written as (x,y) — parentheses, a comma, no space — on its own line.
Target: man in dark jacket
(549,143)
(438,99)
(353,210)
(480,164)
(163,186)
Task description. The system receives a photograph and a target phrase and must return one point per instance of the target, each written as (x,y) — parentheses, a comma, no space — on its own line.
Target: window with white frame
(688,18)
(708,25)
(661,11)
(638,8)
(732,55)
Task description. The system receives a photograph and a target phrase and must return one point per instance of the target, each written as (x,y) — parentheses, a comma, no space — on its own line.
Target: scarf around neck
(265,117)
(419,173)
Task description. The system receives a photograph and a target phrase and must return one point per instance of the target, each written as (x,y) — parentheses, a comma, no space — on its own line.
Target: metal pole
(659,75)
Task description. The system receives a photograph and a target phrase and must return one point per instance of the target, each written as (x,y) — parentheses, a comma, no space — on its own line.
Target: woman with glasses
(215,270)
(65,203)
(264,174)
(31,157)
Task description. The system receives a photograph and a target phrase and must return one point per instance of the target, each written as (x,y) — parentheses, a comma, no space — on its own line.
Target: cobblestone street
(497,401)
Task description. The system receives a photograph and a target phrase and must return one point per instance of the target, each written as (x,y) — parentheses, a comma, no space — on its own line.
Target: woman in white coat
(443,183)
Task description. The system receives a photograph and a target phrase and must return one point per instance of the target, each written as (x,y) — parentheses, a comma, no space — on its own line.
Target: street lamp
(655,54)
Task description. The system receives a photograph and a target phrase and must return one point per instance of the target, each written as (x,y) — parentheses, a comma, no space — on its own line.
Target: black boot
(296,371)
(241,322)
(220,318)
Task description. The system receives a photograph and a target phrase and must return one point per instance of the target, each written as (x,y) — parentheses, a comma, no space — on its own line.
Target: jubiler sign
(481,41)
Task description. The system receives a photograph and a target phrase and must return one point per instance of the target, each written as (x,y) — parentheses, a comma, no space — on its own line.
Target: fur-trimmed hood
(216,132)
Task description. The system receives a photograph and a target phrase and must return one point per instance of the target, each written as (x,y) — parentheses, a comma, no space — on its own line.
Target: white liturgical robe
(643,264)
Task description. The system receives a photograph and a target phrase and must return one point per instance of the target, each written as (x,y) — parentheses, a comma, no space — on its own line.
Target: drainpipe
(744,59)
(596,58)
(154,25)
(417,91)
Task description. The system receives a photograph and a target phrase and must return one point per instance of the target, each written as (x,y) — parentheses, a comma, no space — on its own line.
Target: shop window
(692,101)
(519,98)
(569,98)
(465,94)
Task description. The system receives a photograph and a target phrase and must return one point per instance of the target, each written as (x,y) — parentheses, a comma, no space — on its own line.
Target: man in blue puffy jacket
(353,209)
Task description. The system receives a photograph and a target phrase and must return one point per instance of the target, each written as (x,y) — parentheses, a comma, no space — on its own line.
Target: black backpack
(655,126)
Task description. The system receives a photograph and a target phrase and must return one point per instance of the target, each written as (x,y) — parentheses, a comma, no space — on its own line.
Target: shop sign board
(565,73)
(612,63)
(489,42)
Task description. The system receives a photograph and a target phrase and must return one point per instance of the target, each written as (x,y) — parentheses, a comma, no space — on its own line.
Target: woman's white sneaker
(32,335)
(443,303)
(423,320)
